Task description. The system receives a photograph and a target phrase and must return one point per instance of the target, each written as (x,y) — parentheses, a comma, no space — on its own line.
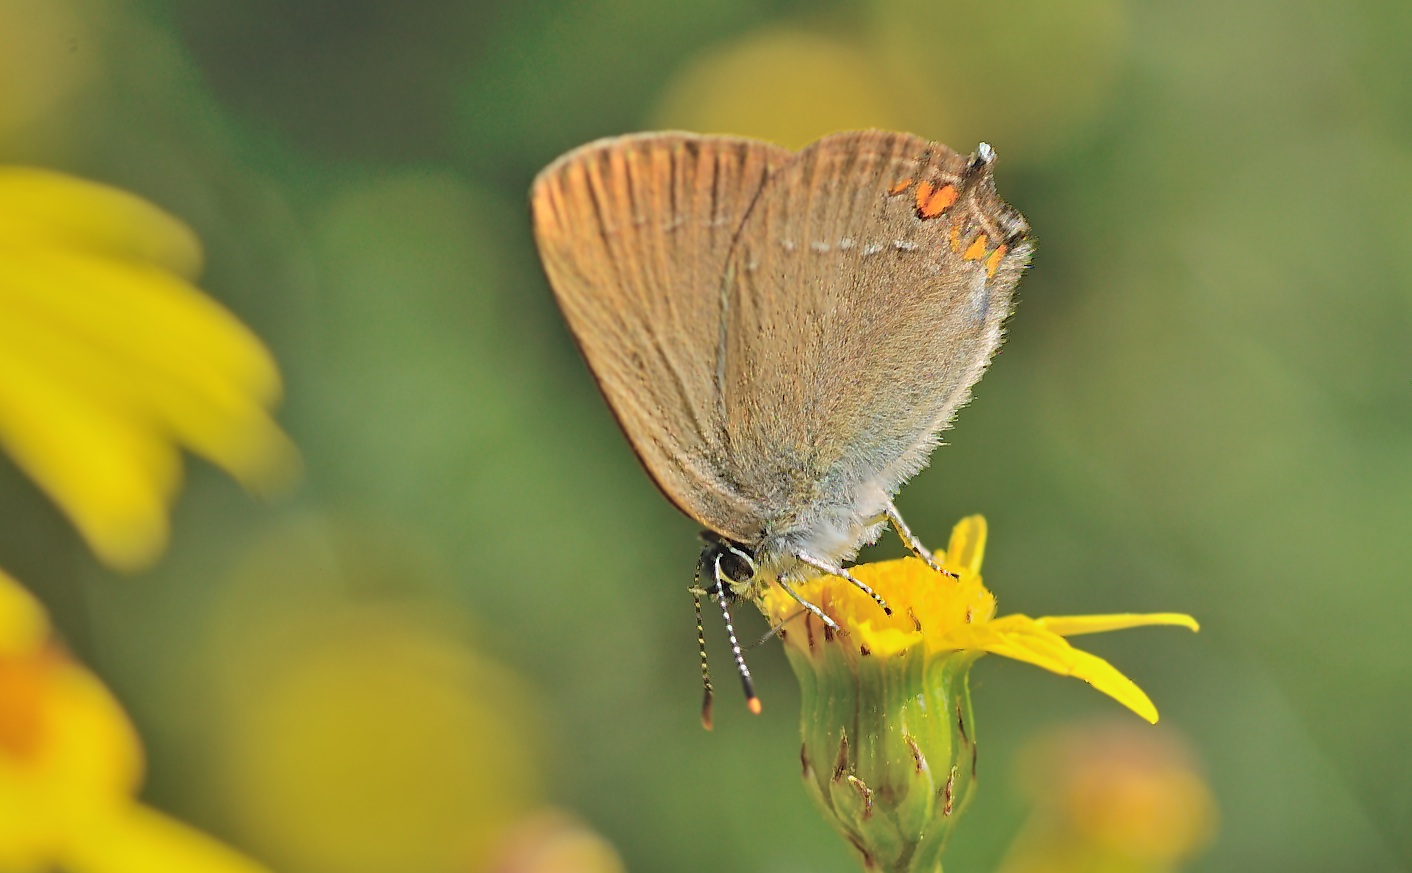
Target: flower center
(926,607)
(22,693)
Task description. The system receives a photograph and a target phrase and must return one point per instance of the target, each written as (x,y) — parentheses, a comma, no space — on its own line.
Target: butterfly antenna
(751,701)
(707,691)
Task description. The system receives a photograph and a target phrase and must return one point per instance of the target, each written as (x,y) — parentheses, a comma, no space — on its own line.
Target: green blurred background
(1203,406)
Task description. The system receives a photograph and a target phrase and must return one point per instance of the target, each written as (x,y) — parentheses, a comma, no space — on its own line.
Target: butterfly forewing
(634,233)
(861,309)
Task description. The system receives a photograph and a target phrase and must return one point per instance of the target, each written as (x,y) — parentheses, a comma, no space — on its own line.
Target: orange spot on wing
(899,187)
(976,249)
(993,262)
(937,201)
(956,238)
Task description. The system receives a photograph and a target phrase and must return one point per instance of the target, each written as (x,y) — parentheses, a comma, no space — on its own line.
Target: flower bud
(889,751)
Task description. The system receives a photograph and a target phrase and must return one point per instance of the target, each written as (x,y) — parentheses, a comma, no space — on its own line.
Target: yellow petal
(193,371)
(887,641)
(109,367)
(139,839)
(1073,625)
(135,312)
(68,755)
(1018,637)
(967,546)
(92,757)
(23,625)
(112,475)
(51,207)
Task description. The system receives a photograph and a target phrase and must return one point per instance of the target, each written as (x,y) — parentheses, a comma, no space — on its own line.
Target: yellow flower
(889,749)
(374,740)
(940,615)
(111,361)
(552,841)
(70,764)
(783,84)
(1112,797)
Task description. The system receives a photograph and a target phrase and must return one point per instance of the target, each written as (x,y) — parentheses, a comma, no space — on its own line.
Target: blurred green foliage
(1203,404)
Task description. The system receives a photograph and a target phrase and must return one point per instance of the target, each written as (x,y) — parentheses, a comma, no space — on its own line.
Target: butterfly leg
(818,613)
(911,541)
(834,570)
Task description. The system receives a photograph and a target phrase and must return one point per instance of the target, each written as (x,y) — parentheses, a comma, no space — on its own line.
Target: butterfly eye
(737,565)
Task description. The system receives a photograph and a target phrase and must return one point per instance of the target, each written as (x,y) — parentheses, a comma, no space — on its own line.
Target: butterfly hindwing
(634,233)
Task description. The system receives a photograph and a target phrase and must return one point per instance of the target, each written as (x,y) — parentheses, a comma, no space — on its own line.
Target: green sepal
(888,748)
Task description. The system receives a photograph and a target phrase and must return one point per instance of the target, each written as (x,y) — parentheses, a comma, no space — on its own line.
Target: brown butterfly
(781,335)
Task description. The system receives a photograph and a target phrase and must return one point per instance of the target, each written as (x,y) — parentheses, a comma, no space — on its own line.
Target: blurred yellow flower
(70,764)
(785,85)
(1114,798)
(111,361)
(551,841)
(358,724)
(941,615)
(372,739)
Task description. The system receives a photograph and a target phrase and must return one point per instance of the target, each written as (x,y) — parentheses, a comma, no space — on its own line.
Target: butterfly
(781,335)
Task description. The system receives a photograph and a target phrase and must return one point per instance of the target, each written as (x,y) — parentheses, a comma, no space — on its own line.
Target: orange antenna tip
(753,703)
